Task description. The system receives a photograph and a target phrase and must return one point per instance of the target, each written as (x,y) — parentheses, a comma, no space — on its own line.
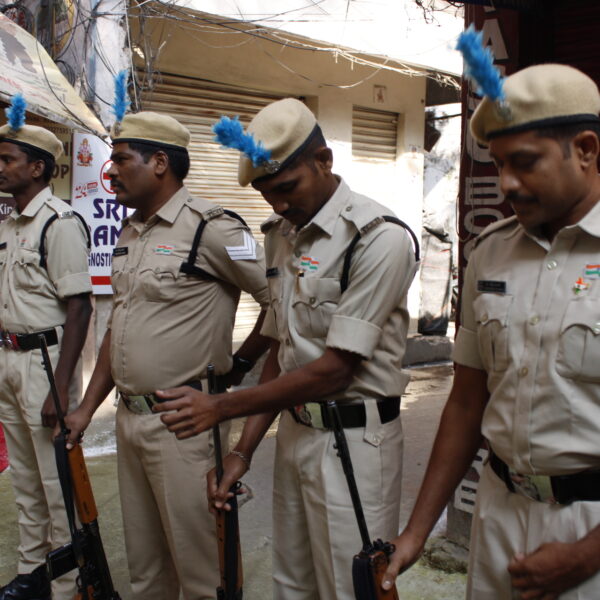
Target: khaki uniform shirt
(531,320)
(308,313)
(32,297)
(166,326)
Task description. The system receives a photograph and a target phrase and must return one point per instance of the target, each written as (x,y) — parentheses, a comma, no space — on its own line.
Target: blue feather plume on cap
(230,134)
(479,64)
(15,113)
(121,101)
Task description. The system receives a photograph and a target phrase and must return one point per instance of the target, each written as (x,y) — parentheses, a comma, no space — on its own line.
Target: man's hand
(188,412)
(408,550)
(233,470)
(77,422)
(49,417)
(552,569)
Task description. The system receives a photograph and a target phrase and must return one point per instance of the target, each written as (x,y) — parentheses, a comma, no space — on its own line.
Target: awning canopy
(27,68)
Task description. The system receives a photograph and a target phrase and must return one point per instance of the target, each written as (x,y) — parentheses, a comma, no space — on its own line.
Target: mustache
(519,198)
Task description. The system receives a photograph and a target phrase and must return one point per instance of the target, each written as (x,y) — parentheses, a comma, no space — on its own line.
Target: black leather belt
(354,415)
(583,486)
(27,341)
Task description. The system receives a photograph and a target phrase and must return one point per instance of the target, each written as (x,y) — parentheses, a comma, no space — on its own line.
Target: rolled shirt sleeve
(466,346)
(383,267)
(66,243)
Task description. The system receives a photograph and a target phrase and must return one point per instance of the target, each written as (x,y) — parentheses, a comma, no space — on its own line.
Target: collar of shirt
(167,212)
(326,218)
(34,204)
(590,223)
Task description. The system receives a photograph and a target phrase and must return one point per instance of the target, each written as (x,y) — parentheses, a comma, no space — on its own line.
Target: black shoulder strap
(189,267)
(42,249)
(355,240)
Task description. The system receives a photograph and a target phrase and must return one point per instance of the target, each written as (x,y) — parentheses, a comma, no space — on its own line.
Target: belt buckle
(137,404)
(535,487)
(6,340)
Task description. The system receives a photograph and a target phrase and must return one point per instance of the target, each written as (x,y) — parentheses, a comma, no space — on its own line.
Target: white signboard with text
(93,198)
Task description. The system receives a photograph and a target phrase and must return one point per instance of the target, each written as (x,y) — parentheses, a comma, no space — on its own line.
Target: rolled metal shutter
(198,104)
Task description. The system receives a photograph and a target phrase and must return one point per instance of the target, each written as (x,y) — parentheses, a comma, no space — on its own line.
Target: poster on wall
(93,198)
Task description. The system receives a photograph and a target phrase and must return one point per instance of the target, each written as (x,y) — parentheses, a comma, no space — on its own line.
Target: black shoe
(33,586)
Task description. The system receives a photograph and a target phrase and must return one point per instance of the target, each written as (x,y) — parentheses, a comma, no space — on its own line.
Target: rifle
(85,551)
(228,527)
(370,564)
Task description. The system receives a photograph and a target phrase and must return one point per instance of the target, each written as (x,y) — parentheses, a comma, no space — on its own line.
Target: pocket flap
(492,307)
(584,312)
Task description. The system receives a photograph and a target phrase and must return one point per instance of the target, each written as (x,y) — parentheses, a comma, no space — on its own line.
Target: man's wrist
(242,364)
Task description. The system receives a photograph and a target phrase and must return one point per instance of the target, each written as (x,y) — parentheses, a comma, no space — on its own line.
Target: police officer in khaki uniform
(178,268)
(330,339)
(528,354)
(44,288)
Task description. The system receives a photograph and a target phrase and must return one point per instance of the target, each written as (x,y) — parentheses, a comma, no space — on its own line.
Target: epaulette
(212,213)
(273,220)
(493,227)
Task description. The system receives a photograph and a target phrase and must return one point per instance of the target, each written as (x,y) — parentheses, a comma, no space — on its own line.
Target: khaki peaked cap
(539,96)
(32,136)
(152,127)
(284,127)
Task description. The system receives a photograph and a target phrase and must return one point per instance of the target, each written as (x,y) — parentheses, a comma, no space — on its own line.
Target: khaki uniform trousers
(42,518)
(505,523)
(170,536)
(315,532)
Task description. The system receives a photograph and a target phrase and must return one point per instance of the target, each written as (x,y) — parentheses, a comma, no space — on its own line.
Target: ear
(587,148)
(161,163)
(324,158)
(37,168)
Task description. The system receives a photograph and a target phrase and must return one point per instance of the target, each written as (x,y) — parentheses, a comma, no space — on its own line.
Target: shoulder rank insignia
(217,211)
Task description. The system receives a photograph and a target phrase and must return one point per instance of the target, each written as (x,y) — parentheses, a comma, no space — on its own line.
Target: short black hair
(563,134)
(34,155)
(179,159)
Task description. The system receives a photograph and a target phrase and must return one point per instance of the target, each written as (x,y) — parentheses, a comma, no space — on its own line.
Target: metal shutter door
(198,104)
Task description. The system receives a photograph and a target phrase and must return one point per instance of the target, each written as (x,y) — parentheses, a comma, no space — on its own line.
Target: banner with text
(93,197)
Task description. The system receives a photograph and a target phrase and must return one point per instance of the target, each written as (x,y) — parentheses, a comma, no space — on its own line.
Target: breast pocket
(26,269)
(578,355)
(491,313)
(315,301)
(159,281)
(118,276)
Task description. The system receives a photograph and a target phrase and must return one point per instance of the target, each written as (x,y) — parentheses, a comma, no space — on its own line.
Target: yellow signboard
(27,68)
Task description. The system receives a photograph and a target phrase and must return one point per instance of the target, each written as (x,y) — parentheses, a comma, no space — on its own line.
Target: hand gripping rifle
(85,552)
(370,564)
(228,527)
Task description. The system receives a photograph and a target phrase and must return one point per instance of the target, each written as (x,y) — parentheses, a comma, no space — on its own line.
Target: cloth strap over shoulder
(189,267)
(43,259)
(350,250)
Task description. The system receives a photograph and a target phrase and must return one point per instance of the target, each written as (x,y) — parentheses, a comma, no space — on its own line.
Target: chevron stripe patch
(245,252)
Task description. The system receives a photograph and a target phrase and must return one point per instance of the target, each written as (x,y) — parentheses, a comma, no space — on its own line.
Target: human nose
(509,182)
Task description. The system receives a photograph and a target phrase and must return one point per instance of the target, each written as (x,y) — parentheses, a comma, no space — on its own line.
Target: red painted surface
(3,451)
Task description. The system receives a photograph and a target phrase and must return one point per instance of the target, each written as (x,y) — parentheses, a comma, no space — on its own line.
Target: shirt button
(297,253)
(524,371)
(552,264)
(131,270)
(6,306)
(596,328)
(124,304)
(312,300)
(349,208)
(534,320)
(288,342)
(484,317)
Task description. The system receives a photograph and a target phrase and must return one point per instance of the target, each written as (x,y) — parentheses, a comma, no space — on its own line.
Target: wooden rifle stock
(370,564)
(228,527)
(85,552)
